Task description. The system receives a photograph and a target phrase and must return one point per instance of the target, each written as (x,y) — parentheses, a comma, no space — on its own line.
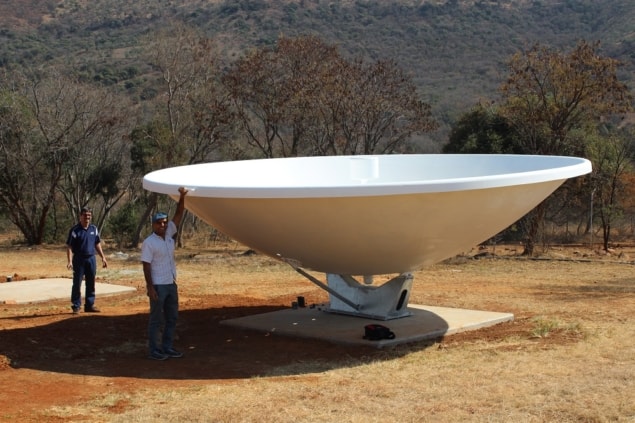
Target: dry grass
(568,357)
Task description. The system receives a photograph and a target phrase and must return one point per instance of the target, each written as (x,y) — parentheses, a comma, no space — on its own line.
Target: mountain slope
(455,50)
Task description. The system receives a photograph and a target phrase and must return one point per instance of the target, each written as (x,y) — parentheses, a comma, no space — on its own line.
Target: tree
(373,108)
(548,94)
(193,118)
(273,91)
(47,119)
(97,172)
(149,141)
(193,106)
(30,164)
(482,130)
(612,160)
(303,98)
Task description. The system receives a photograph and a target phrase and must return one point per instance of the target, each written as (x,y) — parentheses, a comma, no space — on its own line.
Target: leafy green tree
(548,94)
(149,142)
(124,223)
(482,130)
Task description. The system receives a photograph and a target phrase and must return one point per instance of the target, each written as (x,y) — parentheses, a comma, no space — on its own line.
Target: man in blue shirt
(82,243)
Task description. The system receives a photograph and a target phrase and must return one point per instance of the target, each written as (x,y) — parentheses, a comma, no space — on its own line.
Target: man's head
(85,214)
(159,222)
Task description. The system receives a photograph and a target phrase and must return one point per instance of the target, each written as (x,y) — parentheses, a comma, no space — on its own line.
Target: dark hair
(86,210)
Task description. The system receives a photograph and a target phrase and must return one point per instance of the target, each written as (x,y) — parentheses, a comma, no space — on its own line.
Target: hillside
(455,50)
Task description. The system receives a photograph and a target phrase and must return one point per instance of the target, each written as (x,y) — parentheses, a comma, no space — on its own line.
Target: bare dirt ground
(54,365)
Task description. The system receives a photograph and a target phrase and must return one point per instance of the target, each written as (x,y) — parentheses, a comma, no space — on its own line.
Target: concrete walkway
(39,290)
(426,322)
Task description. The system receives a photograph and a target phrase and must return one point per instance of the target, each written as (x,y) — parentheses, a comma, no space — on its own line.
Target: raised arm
(178,215)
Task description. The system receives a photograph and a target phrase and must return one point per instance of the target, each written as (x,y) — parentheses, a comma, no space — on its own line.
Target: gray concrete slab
(39,290)
(426,322)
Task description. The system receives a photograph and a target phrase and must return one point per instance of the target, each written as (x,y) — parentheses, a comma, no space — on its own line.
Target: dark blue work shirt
(83,241)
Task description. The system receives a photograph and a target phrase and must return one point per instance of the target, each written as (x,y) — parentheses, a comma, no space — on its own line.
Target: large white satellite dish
(366,215)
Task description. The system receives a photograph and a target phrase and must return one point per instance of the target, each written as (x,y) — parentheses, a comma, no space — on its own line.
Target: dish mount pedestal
(349,296)
(384,302)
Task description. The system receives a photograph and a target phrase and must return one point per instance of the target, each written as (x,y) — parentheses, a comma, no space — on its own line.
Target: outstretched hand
(181,206)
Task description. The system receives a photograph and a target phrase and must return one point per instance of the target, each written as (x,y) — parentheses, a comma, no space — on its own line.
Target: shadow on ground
(115,346)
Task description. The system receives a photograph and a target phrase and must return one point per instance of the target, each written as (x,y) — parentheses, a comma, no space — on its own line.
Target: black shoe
(172,353)
(75,310)
(158,355)
(92,309)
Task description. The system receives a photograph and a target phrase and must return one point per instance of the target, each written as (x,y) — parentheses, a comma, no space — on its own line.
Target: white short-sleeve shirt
(159,252)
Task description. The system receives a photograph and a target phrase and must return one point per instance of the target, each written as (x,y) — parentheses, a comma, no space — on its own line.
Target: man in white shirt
(159,270)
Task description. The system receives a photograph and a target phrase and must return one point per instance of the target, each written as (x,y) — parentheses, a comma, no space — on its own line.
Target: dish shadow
(115,346)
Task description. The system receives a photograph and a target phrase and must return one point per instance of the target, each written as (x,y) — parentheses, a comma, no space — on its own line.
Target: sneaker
(158,355)
(75,310)
(92,309)
(171,352)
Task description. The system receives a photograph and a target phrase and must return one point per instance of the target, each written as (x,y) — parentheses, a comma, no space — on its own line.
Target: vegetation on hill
(455,50)
(177,97)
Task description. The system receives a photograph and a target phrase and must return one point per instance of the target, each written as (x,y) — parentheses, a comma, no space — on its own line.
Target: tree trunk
(533,220)
(152,202)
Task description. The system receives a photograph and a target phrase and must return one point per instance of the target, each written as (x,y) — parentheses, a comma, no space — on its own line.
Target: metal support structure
(348,296)
(384,302)
(332,292)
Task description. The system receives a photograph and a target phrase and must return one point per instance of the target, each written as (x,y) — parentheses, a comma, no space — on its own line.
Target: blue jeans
(83,267)
(163,313)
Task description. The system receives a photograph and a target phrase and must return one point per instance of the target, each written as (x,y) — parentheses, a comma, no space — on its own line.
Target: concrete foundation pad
(39,290)
(426,322)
